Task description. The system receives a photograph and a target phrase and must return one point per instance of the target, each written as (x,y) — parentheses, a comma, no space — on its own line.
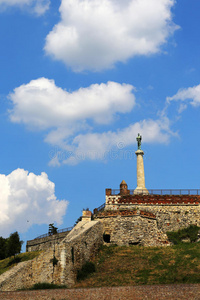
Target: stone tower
(124,188)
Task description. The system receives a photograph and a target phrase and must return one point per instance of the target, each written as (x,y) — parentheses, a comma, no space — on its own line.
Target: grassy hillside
(9,262)
(133,265)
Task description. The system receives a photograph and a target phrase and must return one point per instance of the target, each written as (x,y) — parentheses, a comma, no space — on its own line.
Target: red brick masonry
(150,292)
(158,199)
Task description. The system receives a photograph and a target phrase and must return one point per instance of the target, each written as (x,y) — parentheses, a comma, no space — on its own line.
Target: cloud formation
(94,35)
(111,145)
(39,7)
(42,104)
(28,199)
(75,121)
(189,95)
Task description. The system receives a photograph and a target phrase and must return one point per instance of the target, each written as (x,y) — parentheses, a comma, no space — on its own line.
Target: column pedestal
(140,189)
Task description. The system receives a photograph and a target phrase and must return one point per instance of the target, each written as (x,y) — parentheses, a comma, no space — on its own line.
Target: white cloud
(37,6)
(189,95)
(95,34)
(28,199)
(100,146)
(42,104)
(72,119)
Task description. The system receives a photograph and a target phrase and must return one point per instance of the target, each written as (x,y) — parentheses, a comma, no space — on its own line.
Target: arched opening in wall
(106,238)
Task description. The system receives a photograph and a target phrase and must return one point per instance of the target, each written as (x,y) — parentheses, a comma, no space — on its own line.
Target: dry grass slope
(134,265)
(8,263)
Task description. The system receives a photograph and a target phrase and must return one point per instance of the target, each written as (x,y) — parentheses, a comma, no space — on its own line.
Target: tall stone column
(140,189)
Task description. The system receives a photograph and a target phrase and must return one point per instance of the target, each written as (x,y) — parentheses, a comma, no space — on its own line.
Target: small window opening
(72,251)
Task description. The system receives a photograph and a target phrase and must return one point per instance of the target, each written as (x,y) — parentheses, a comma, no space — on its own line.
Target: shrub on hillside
(87,269)
(46,286)
(190,233)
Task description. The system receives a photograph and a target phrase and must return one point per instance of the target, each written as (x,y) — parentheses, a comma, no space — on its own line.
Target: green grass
(9,262)
(134,265)
(190,233)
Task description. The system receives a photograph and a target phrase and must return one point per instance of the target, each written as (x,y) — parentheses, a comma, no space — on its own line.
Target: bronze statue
(139,139)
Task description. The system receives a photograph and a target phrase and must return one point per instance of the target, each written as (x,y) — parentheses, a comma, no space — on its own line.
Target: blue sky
(78,80)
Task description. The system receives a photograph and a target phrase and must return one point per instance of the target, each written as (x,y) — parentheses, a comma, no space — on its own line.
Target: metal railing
(59,231)
(100,208)
(158,192)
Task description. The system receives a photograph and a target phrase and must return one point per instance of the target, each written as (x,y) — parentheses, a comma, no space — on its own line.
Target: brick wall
(153,199)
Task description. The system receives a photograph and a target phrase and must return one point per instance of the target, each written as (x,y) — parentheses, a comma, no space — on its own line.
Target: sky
(79,79)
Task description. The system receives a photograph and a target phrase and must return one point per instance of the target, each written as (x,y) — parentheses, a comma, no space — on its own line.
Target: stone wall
(80,245)
(171,212)
(127,219)
(45,243)
(40,269)
(145,219)
(132,228)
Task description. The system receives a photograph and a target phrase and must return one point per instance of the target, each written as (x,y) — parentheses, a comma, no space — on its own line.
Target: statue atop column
(139,141)
(140,189)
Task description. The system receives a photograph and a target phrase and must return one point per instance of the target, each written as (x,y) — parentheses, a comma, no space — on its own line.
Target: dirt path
(150,292)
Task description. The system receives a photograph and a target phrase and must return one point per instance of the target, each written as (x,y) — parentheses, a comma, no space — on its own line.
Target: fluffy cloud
(70,119)
(42,104)
(38,6)
(189,95)
(95,34)
(28,199)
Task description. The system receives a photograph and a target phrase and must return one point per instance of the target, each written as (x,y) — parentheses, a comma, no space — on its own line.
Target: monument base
(141,191)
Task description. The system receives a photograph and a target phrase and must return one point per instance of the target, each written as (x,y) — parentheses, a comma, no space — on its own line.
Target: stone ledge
(125,213)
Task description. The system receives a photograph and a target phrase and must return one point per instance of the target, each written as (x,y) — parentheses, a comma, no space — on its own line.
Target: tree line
(10,246)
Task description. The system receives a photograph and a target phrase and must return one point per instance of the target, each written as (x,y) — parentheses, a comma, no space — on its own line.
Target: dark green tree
(52,229)
(2,248)
(78,220)
(13,244)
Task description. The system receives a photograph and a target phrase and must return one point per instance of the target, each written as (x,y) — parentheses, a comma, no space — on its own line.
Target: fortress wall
(81,245)
(84,239)
(46,242)
(171,212)
(133,230)
(40,269)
